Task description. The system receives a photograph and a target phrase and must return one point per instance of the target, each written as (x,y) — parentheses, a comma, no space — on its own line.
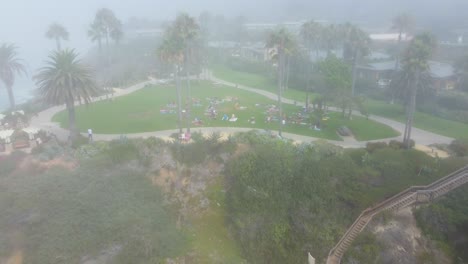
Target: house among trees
(442,74)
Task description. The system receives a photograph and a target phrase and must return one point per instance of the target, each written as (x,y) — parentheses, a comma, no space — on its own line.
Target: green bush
(373,146)
(120,151)
(459,147)
(395,144)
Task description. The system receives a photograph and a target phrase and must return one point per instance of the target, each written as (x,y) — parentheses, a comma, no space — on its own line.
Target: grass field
(421,120)
(256,81)
(396,112)
(140,112)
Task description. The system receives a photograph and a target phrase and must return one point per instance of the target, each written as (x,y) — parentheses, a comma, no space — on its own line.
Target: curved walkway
(43,121)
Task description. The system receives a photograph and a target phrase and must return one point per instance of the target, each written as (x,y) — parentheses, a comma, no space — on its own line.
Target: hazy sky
(24,22)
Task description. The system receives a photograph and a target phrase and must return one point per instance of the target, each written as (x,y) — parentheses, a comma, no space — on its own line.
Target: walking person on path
(90,135)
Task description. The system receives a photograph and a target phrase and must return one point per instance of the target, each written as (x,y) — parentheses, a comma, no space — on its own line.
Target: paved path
(43,121)
(421,136)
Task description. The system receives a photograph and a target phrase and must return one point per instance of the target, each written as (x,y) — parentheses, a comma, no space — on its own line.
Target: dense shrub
(120,151)
(395,144)
(284,200)
(372,146)
(459,147)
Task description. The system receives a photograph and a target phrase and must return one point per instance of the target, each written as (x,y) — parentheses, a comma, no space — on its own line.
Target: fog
(24,22)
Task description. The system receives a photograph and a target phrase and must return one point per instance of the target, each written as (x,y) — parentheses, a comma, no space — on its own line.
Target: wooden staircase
(412,195)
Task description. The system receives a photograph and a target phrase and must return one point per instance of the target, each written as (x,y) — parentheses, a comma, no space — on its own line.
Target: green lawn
(140,112)
(256,81)
(422,120)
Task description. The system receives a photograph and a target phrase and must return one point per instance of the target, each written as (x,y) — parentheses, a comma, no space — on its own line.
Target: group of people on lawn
(271,113)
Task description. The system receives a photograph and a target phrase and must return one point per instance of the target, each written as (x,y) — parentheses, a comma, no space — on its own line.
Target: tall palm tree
(171,51)
(10,65)
(65,80)
(402,23)
(57,32)
(283,43)
(330,38)
(356,45)
(415,63)
(107,22)
(116,33)
(95,34)
(187,29)
(311,33)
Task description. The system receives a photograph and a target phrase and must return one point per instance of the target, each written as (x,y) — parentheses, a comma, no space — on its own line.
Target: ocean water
(23,91)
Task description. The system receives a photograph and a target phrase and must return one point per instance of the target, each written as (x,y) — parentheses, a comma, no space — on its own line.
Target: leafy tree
(64,80)
(283,43)
(57,32)
(10,65)
(338,81)
(415,63)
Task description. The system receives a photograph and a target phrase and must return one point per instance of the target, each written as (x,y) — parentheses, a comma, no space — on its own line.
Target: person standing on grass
(90,135)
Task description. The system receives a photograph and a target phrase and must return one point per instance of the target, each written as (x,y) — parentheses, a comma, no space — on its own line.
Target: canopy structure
(6,134)
(32,131)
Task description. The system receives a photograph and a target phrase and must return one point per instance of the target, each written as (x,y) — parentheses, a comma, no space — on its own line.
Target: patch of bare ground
(402,241)
(30,164)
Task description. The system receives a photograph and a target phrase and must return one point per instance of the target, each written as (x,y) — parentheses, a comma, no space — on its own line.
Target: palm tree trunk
(57,41)
(411,110)
(179,100)
(353,87)
(189,92)
(71,121)
(280,89)
(397,62)
(288,68)
(100,44)
(11,96)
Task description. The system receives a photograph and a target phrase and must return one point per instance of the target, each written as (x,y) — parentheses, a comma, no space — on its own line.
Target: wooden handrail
(369,213)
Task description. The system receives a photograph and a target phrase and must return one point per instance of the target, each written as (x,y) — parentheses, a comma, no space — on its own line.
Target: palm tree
(65,80)
(329,38)
(107,22)
(186,28)
(57,32)
(356,44)
(95,34)
(283,43)
(402,23)
(415,63)
(116,33)
(10,65)
(171,51)
(311,33)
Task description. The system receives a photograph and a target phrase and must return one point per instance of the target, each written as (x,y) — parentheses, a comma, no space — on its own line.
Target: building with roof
(442,74)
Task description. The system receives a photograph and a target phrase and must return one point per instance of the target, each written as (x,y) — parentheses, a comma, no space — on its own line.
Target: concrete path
(420,136)
(43,121)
